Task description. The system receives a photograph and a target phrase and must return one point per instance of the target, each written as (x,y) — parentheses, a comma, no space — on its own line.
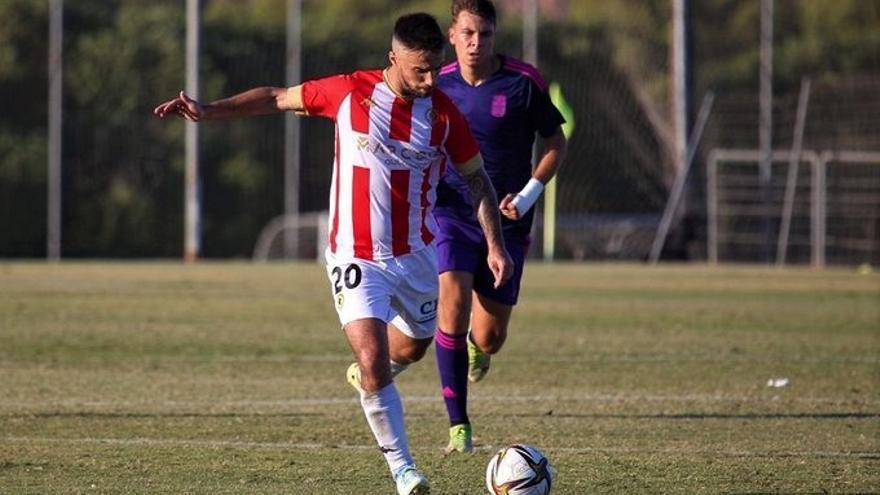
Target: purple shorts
(462,247)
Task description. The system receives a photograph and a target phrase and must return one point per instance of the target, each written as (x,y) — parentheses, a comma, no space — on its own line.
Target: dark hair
(419,32)
(480,8)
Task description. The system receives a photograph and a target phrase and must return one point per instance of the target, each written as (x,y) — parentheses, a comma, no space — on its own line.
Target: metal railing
(818,161)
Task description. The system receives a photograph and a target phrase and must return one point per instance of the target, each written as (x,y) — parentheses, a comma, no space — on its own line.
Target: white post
(793,164)
(817,227)
(192,199)
(766,121)
(712,208)
(530,55)
(680,80)
(530,31)
(292,127)
(56,68)
(680,179)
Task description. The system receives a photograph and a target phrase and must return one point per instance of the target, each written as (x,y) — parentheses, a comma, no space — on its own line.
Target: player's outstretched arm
(257,101)
(485,204)
(515,206)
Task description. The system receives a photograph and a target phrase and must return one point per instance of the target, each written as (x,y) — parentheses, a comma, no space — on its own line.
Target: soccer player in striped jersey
(395,137)
(505,102)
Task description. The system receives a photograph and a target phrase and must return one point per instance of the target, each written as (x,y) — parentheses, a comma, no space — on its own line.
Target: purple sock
(452,363)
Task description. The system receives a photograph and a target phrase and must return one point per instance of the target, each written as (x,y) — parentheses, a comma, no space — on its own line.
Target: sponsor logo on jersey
(390,153)
(428,311)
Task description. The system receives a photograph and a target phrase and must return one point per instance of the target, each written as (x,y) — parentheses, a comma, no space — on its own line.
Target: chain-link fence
(840,143)
(123,169)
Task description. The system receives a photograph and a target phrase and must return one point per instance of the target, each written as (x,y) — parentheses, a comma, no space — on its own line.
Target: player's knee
(375,376)
(411,352)
(493,341)
(492,346)
(414,353)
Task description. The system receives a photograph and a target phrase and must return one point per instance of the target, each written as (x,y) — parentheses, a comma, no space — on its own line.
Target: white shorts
(401,291)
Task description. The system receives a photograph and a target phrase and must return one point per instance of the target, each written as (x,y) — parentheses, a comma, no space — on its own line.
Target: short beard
(411,93)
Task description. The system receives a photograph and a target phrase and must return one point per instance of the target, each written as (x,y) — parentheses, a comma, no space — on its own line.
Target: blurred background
(785,161)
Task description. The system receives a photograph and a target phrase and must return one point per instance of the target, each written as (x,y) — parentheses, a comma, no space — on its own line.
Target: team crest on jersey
(431,116)
(499,106)
(368,102)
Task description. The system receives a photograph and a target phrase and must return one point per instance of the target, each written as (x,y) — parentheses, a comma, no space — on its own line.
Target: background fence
(836,215)
(122,179)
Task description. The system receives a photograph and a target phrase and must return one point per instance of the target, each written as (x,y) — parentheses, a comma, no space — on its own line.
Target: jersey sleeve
(322,97)
(460,145)
(543,114)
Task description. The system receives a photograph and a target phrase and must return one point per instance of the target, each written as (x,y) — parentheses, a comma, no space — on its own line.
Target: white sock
(397,368)
(384,412)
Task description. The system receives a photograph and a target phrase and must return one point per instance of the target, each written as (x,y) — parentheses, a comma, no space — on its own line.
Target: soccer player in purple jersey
(505,102)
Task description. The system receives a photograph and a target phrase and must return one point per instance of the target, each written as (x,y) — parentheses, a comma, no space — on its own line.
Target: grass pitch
(144,378)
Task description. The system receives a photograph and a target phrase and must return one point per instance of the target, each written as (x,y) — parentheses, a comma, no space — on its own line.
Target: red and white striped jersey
(390,154)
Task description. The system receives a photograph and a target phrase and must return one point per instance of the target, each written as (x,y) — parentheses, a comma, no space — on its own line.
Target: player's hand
(501,265)
(508,209)
(184,106)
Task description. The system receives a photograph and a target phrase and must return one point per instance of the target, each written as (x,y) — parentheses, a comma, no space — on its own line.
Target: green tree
(122,171)
(23,127)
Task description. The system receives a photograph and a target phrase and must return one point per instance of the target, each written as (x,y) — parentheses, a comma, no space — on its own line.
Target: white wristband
(526,198)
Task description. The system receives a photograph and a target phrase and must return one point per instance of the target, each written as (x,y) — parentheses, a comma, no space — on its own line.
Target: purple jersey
(504,113)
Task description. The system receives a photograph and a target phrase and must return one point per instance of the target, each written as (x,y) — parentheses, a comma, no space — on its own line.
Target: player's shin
(384,412)
(452,364)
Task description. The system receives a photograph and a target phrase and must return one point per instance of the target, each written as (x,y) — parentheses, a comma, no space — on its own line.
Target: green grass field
(228,378)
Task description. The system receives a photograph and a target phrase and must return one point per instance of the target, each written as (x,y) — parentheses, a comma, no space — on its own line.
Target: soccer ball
(519,470)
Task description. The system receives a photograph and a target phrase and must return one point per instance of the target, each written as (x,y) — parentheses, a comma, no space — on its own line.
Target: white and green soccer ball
(519,470)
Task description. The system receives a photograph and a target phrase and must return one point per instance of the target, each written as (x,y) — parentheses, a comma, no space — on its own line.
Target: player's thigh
(492,307)
(459,245)
(460,250)
(362,293)
(484,279)
(361,289)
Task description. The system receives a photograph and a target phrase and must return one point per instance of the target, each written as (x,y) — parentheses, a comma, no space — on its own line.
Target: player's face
(415,71)
(474,40)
